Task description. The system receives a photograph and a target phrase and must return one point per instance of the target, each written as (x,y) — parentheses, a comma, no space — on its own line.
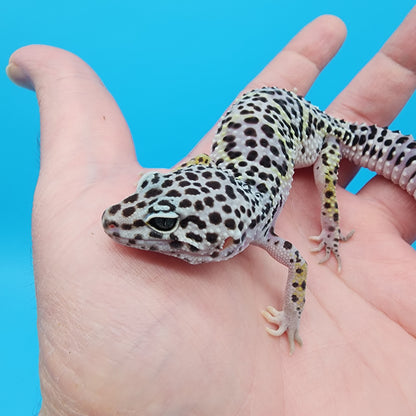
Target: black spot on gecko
(399,159)
(191,176)
(268,131)
(213,184)
(234,155)
(209,201)
(175,244)
(153,192)
(193,248)
(232,125)
(391,153)
(128,211)
(230,146)
(230,192)
(195,237)
(229,138)
(212,237)
(167,183)
(199,206)
(230,223)
(410,161)
(401,140)
(185,203)
(155,234)
(192,191)
(251,143)
(155,178)
(115,208)
(195,219)
(250,132)
(252,155)
(287,245)
(268,118)
(131,199)
(215,218)
(262,188)
(207,174)
(173,192)
(265,161)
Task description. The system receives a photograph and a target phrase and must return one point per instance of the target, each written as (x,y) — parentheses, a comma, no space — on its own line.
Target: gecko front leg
(288,319)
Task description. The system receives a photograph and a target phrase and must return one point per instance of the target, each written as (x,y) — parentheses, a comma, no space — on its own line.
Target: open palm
(127,332)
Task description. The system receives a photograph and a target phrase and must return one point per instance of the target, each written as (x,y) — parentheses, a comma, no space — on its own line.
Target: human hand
(127,332)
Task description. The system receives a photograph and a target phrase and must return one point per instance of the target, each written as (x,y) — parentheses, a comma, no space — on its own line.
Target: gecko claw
(280,318)
(346,237)
(329,242)
(326,257)
(320,247)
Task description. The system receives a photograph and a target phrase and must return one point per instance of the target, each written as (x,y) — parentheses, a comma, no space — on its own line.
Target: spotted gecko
(213,207)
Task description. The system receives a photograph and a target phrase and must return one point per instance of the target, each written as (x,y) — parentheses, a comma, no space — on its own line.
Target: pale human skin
(127,332)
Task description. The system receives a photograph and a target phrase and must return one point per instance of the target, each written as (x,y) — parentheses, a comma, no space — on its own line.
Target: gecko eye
(163,222)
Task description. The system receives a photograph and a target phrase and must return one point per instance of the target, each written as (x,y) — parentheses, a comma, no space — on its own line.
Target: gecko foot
(286,324)
(328,241)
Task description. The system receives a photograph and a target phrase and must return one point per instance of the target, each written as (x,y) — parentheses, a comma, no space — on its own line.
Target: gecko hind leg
(326,177)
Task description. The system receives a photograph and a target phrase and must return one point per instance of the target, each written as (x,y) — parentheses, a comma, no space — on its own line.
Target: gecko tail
(386,152)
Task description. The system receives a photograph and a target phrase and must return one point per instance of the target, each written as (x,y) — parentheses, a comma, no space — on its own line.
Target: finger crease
(396,61)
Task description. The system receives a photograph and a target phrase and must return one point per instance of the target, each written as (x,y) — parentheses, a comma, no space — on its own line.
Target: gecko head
(196,213)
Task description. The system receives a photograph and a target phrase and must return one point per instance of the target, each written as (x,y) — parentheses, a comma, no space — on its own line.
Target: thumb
(81,125)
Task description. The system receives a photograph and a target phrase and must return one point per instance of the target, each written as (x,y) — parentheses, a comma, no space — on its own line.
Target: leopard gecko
(213,207)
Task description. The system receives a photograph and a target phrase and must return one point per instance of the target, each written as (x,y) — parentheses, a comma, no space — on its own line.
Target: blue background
(199,55)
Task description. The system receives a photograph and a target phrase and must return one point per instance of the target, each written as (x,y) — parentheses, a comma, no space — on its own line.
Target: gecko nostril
(109,224)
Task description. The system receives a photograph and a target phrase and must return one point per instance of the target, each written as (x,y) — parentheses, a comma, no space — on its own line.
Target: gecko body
(212,207)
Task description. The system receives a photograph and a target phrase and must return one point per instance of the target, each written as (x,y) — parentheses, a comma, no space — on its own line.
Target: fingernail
(19,77)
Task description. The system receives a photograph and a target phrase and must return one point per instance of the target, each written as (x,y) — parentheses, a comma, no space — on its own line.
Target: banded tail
(386,152)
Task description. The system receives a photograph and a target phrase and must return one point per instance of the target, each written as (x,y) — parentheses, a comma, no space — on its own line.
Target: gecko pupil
(163,223)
